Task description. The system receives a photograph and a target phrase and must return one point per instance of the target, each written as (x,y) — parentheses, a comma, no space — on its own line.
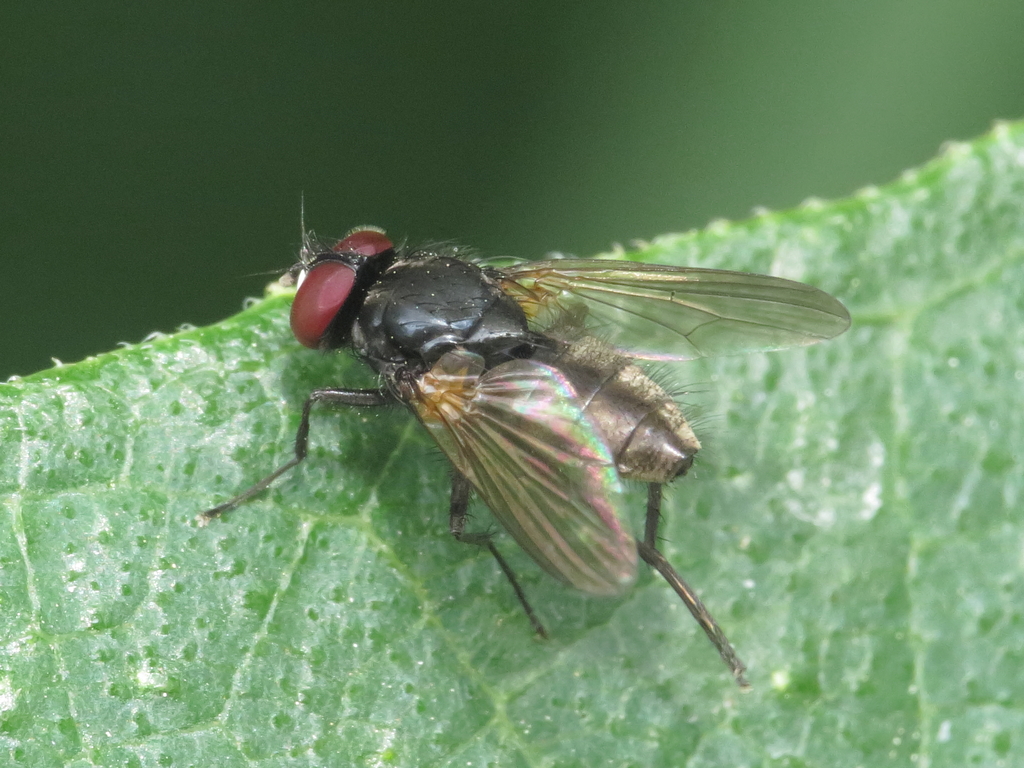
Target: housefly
(529,379)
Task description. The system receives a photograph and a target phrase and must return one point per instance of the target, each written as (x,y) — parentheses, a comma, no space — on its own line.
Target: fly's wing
(518,434)
(656,312)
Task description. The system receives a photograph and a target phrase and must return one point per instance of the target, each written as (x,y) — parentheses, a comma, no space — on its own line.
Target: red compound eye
(365,242)
(319,298)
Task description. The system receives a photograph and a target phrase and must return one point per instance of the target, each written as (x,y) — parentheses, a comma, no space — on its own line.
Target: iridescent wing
(658,312)
(518,434)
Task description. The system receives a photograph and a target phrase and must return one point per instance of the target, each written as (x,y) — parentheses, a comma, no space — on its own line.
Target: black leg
(653,557)
(653,514)
(457,526)
(345,397)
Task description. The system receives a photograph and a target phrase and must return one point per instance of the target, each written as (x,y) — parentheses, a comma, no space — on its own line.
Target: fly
(530,380)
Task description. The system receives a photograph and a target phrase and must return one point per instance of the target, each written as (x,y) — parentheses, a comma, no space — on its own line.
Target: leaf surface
(854,524)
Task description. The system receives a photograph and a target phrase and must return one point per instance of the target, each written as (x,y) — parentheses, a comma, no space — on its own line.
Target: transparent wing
(520,437)
(658,312)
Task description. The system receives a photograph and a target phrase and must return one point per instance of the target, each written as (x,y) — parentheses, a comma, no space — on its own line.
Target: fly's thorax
(428,304)
(645,429)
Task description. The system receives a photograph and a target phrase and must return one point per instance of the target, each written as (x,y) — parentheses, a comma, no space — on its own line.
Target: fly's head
(332,284)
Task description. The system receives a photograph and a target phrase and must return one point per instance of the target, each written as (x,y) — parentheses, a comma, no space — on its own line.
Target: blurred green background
(152,157)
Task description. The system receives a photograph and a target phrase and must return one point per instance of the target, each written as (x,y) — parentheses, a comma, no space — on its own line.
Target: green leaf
(854,524)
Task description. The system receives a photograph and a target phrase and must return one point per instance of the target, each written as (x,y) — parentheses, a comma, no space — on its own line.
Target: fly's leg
(335,397)
(653,557)
(457,525)
(653,514)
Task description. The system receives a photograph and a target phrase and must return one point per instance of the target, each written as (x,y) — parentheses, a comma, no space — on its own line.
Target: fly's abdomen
(647,433)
